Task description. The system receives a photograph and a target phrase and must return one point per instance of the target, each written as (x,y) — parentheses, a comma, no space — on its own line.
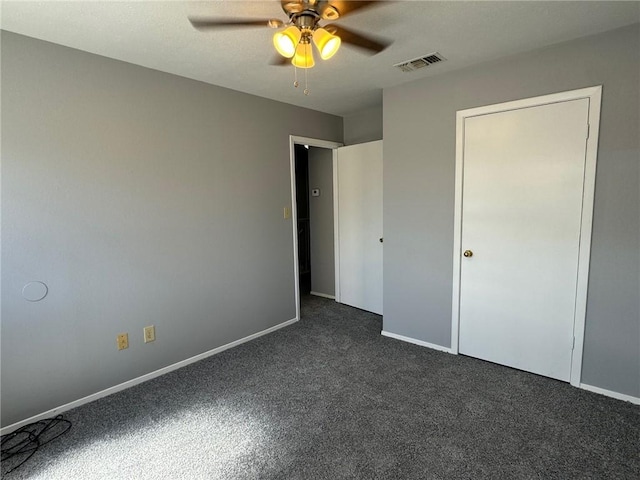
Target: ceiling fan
(294,38)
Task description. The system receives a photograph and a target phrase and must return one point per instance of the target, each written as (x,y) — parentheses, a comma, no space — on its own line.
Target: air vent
(421,62)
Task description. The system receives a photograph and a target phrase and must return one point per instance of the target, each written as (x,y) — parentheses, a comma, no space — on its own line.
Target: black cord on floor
(21,444)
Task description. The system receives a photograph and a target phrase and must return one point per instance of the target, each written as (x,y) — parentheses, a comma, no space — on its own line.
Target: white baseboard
(416,342)
(610,393)
(135,381)
(324,295)
(601,391)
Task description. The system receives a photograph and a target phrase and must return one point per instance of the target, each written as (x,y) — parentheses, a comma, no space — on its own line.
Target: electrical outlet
(123,341)
(149,334)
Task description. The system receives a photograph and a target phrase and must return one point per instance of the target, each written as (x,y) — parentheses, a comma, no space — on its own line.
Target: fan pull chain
(296,83)
(306,64)
(295,75)
(306,86)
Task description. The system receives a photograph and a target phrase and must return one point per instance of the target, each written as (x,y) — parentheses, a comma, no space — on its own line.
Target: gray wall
(323,272)
(363,126)
(139,198)
(419,193)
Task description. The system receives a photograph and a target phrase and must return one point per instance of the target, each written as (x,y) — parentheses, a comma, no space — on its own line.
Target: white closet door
(523,176)
(359,204)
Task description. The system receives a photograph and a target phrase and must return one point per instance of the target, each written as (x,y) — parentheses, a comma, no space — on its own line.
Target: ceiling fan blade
(280,61)
(345,7)
(208,24)
(372,44)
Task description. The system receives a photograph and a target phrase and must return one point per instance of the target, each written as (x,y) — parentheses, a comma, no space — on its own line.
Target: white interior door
(522,197)
(359,214)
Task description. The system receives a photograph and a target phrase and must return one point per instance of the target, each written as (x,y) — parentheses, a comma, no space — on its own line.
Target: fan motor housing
(312,8)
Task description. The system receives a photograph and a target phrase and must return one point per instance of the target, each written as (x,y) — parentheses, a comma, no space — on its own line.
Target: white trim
(589,92)
(294,225)
(336,226)
(136,381)
(312,142)
(602,391)
(594,94)
(588,194)
(611,393)
(433,346)
(457,232)
(323,295)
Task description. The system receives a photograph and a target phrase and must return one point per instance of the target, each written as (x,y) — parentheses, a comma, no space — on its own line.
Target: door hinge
(588,129)
(573,343)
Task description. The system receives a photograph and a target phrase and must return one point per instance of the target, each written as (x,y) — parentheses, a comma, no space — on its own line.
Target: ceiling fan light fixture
(327,43)
(286,41)
(304,55)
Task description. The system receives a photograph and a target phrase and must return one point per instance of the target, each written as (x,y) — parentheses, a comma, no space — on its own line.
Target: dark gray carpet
(329,398)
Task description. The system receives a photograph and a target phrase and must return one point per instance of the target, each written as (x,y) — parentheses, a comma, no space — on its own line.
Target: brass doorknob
(468,253)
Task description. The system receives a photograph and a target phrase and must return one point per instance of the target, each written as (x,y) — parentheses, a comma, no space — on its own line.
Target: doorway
(525,175)
(315,220)
(340,187)
(312,183)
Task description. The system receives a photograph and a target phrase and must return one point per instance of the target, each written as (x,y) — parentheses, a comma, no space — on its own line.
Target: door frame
(312,142)
(594,95)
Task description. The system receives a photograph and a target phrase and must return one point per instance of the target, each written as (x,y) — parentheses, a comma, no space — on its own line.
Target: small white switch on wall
(315,192)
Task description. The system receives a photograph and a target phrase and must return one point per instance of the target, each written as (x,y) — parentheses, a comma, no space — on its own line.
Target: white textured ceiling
(159,36)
